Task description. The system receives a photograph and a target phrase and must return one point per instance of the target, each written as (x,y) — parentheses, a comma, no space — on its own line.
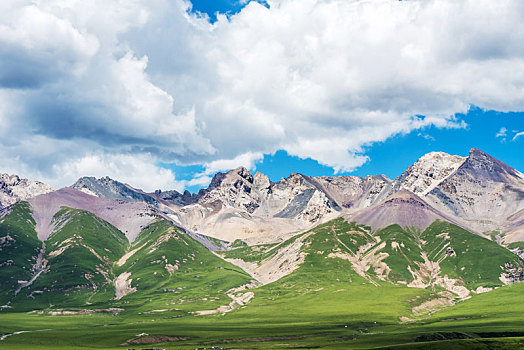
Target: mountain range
(104,246)
(478,193)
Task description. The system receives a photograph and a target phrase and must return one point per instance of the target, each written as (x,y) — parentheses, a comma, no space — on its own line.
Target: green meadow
(323,303)
(360,316)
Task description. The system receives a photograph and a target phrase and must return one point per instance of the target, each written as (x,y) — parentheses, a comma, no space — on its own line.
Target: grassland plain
(324,303)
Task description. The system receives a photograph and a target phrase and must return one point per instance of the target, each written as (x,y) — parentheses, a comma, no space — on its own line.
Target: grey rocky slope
(106,187)
(483,192)
(239,205)
(427,173)
(514,228)
(477,192)
(14,189)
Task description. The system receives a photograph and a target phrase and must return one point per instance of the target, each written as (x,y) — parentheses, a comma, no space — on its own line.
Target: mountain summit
(14,189)
(477,192)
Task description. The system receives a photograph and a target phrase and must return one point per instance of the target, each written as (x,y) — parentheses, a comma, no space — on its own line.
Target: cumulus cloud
(138,171)
(247,160)
(135,83)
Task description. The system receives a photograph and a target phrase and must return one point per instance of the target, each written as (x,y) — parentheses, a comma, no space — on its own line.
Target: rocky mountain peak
(475,152)
(238,175)
(295,179)
(106,187)
(14,189)
(482,165)
(244,173)
(261,182)
(428,172)
(483,192)
(233,189)
(9,180)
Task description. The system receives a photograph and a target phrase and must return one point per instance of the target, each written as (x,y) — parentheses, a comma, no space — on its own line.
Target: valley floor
(280,317)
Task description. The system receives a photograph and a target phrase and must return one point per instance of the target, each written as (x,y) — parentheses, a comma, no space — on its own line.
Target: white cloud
(503,132)
(94,82)
(137,171)
(517,135)
(247,160)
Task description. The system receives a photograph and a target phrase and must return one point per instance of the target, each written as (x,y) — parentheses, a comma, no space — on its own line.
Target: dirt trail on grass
(238,297)
(5,336)
(432,305)
(129,254)
(429,275)
(37,269)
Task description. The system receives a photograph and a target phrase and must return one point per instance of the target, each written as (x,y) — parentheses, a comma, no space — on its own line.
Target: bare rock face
(301,199)
(108,188)
(514,228)
(431,169)
(238,205)
(354,192)
(233,189)
(174,197)
(477,192)
(14,189)
(483,192)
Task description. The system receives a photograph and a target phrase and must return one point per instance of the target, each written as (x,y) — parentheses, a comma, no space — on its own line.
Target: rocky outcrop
(108,188)
(482,192)
(239,205)
(431,169)
(233,189)
(174,197)
(14,189)
(352,192)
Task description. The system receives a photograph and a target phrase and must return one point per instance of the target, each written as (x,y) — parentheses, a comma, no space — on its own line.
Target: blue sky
(393,156)
(212,7)
(482,130)
(157,95)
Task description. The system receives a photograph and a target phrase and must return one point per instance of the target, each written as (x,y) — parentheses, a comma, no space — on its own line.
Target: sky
(162,94)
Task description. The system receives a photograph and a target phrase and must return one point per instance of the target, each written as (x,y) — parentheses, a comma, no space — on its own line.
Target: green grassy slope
(80,253)
(475,260)
(317,319)
(19,247)
(443,256)
(84,256)
(173,272)
(324,303)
